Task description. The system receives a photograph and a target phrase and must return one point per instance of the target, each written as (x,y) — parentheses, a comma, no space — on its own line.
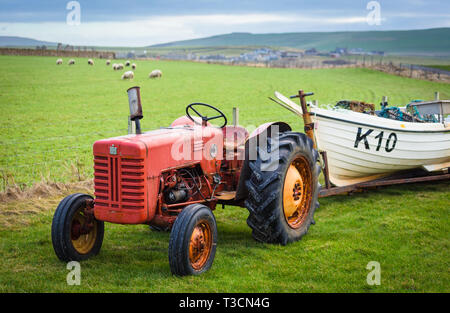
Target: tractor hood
(127,169)
(166,147)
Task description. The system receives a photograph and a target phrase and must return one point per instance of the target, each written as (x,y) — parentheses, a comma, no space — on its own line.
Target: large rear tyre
(283,189)
(193,241)
(76,234)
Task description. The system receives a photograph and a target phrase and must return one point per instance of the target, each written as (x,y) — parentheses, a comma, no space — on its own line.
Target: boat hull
(361,147)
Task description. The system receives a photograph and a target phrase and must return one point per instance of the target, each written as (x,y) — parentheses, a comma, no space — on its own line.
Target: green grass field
(51,115)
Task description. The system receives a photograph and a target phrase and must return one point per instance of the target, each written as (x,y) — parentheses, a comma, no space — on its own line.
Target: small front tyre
(193,241)
(76,234)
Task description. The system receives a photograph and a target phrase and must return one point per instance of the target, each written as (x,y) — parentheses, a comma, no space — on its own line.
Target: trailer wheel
(193,240)
(76,235)
(283,189)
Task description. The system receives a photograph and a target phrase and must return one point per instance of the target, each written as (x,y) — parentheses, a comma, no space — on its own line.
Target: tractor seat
(234,137)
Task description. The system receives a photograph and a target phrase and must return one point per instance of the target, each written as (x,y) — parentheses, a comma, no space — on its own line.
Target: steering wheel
(204,118)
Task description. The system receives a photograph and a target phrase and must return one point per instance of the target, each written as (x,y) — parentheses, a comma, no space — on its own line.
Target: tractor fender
(263,130)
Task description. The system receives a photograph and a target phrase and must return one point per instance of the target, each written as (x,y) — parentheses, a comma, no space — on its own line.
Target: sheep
(71,62)
(155,74)
(133,66)
(127,63)
(117,66)
(59,61)
(90,62)
(128,75)
(108,62)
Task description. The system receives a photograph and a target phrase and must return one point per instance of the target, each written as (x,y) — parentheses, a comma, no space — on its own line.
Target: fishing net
(356,106)
(394,113)
(427,118)
(408,114)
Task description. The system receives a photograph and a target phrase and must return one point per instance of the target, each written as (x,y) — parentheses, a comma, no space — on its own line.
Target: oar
(286,107)
(288,104)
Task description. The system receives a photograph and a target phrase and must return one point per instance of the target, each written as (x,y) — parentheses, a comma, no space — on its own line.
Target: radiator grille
(119,182)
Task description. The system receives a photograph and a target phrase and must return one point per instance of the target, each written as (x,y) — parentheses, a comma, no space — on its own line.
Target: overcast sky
(146,22)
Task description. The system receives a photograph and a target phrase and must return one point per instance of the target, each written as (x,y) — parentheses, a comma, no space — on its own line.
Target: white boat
(362,147)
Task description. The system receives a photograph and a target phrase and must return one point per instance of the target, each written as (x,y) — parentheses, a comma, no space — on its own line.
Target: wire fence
(425,69)
(379,62)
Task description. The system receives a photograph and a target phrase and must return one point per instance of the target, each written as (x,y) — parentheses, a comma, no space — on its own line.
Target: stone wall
(58,53)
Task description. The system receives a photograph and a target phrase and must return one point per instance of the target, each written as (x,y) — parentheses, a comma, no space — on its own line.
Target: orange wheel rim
(83,243)
(297,192)
(200,245)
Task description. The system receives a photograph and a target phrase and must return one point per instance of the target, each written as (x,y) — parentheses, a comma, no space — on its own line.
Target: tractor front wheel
(76,234)
(193,240)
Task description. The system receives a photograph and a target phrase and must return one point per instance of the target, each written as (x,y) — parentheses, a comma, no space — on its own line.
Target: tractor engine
(184,185)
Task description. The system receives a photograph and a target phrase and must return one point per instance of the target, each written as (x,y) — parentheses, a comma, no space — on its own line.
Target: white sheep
(108,62)
(128,75)
(133,66)
(90,62)
(117,66)
(71,62)
(155,74)
(59,61)
(127,63)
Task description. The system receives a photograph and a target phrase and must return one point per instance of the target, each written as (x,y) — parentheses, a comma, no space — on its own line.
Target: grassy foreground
(51,116)
(406,229)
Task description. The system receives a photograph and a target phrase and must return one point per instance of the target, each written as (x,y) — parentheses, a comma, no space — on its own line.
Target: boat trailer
(397,179)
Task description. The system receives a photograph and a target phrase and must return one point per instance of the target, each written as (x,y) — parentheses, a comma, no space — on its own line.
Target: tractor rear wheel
(283,189)
(76,234)
(193,241)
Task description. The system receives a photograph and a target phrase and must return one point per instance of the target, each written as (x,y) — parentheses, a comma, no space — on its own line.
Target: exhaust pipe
(134,101)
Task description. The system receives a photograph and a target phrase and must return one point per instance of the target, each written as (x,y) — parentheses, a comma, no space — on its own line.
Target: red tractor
(173,178)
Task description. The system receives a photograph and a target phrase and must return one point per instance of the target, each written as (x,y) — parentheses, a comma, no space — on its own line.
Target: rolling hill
(13,41)
(432,42)
(427,41)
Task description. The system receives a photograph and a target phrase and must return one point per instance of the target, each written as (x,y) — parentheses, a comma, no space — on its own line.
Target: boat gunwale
(446,130)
